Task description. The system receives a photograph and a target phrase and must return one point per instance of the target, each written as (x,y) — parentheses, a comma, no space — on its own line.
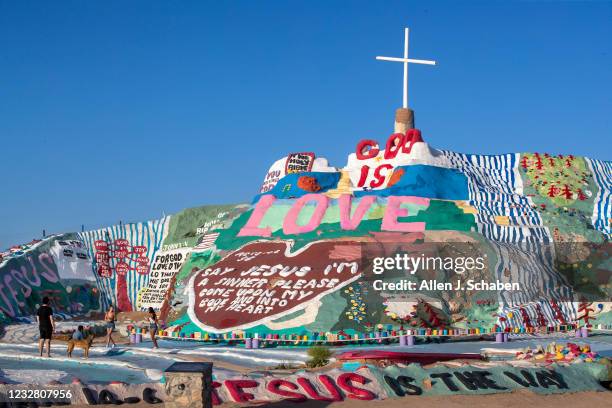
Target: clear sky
(122,110)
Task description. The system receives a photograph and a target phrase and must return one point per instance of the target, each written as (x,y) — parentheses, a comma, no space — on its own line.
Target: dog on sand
(85,344)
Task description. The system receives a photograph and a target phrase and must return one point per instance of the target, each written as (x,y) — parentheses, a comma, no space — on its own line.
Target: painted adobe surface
(291,261)
(364,383)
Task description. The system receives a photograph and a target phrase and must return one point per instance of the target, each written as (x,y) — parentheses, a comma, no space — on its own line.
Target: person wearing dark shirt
(46,326)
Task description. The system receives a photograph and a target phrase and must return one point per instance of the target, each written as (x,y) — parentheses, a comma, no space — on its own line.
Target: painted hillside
(298,259)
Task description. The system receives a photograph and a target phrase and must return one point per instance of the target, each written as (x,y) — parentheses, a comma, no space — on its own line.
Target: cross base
(404,120)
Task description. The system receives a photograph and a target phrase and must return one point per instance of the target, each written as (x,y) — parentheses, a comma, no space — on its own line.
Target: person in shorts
(153,326)
(46,326)
(109,318)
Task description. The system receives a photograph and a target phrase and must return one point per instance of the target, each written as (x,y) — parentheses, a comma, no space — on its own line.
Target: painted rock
(263,281)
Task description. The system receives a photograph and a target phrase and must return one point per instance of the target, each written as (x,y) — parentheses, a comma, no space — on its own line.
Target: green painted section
(439,215)
(197,261)
(567,218)
(603,318)
(330,304)
(187,226)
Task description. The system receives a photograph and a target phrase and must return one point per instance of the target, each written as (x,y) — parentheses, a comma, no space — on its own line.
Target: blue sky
(121,110)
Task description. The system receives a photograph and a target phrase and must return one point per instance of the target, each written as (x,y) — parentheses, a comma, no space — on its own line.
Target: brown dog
(85,344)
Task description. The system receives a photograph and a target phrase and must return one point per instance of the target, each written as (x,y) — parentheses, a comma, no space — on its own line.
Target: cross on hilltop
(406,61)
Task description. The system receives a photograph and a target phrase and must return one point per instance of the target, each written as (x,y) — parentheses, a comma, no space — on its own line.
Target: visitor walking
(109,318)
(46,326)
(153,326)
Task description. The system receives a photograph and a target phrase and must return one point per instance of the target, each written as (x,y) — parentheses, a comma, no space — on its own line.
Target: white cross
(406,60)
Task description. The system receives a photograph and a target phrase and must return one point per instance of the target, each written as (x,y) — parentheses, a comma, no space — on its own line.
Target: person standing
(46,326)
(153,326)
(109,318)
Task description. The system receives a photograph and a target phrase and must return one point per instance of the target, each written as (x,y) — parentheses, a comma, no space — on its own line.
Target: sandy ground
(28,333)
(516,399)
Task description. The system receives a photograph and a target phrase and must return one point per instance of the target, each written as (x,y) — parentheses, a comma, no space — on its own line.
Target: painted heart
(264,280)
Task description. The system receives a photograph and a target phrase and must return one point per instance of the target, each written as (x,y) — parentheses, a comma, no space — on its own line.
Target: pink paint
(236,389)
(216,400)
(49,267)
(314,394)
(275,385)
(7,309)
(394,211)
(26,289)
(290,225)
(7,284)
(251,228)
(346,221)
(19,283)
(33,278)
(346,380)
